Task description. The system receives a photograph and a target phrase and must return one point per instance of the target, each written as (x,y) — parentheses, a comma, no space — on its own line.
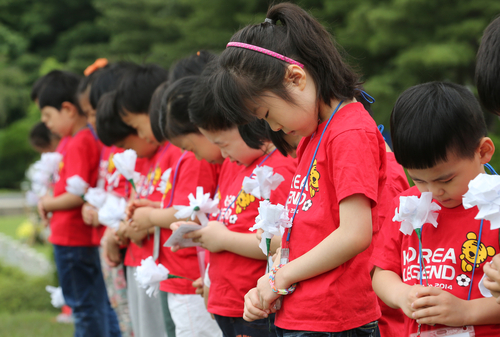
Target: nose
(436,190)
(275,126)
(224,154)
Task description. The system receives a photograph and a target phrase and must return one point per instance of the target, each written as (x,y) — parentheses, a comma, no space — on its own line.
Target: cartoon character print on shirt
(151,184)
(469,249)
(314,179)
(111,164)
(244,200)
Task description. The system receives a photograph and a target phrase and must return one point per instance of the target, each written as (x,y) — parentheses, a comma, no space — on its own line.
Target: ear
(296,76)
(486,149)
(69,108)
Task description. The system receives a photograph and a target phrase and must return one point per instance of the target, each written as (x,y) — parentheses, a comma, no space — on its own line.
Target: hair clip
(98,64)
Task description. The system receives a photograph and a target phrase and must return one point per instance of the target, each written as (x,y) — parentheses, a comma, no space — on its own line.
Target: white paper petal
(262,182)
(484,192)
(56,296)
(112,212)
(413,212)
(199,206)
(96,196)
(125,163)
(31,198)
(76,185)
(263,243)
(50,161)
(272,219)
(164,180)
(149,275)
(484,291)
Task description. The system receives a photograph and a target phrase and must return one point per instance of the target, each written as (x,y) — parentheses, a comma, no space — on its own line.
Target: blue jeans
(80,277)
(237,326)
(367,330)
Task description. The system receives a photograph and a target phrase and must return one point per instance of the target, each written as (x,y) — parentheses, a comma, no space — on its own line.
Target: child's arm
(61,202)
(351,238)
(437,306)
(147,217)
(394,292)
(216,238)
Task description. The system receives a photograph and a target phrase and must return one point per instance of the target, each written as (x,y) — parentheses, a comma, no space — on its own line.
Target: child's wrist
(279,283)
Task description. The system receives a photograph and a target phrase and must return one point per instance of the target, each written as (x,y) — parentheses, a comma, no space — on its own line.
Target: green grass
(40,324)
(8,224)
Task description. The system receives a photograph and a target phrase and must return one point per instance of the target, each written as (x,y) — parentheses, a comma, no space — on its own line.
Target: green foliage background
(393,43)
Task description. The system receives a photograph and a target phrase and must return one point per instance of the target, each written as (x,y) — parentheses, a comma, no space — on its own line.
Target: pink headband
(264,51)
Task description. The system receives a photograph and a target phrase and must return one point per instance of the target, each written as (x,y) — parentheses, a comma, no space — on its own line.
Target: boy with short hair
(76,254)
(439,136)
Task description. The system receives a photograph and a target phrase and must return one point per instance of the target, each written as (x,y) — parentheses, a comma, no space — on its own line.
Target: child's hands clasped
(212,237)
(492,280)
(437,306)
(140,219)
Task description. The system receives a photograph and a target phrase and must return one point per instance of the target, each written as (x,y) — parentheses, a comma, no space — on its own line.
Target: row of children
(279,89)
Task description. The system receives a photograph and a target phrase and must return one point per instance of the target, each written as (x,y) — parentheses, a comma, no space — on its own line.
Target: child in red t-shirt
(439,136)
(488,87)
(187,173)
(76,255)
(293,76)
(236,261)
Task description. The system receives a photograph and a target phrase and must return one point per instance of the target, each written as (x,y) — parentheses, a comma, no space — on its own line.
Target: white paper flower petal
(125,163)
(164,181)
(198,207)
(112,212)
(262,182)
(484,192)
(56,296)
(263,243)
(31,198)
(272,219)
(96,196)
(76,185)
(51,161)
(484,291)
(413,212)
(149,275)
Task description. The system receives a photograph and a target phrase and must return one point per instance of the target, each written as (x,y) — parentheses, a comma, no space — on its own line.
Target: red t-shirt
(80,157)
(165,157)
(392,321)
(350,160)
(189,173)
(447,252)
(232,275)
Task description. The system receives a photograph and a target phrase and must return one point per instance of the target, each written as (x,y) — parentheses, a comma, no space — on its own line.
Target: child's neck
(80,123)
(325,110)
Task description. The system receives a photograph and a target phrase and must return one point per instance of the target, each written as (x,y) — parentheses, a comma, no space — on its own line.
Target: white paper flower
(262,182)
(112,212)
(413,212)
(31,198)
(149,275)
(50,161)
(273,219)
(198,207)
(76,185)
(96,196)
(484,192)
(39,189)
(164,181)
(56,296)
(125,164)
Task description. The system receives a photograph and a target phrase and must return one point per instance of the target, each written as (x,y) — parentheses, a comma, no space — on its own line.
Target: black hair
(35,88)
(278,139)
(202,110)
(190,66)
(433,119)
(109,125)
(244,74)
(57,87)
(107,79)
(86,82)
(137,87)
(40,136)
(254,134)
(174,118)
(157,110)
(488,67)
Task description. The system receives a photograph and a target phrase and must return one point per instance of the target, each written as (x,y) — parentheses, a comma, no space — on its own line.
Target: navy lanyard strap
(241,190)
(289,230)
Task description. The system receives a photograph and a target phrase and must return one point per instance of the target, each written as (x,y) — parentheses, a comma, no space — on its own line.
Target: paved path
(12,203)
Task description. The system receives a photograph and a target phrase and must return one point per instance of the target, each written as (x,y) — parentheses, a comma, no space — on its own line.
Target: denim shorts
(367,330)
